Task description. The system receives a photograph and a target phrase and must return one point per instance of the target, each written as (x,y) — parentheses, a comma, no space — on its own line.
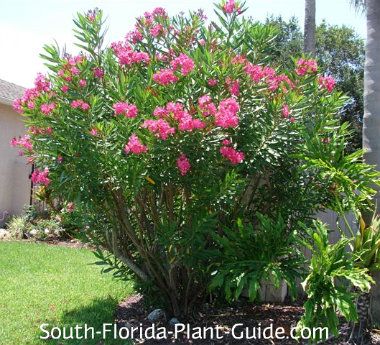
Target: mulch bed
(132,313)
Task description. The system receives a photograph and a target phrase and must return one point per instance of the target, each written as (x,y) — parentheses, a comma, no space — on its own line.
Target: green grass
(56,285)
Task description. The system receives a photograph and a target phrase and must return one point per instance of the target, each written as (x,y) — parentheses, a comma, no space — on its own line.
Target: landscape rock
(4,234)
(157,315)
(173,321)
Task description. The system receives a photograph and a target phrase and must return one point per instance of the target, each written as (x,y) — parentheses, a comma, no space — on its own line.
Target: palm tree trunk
(309,29)
(371,120)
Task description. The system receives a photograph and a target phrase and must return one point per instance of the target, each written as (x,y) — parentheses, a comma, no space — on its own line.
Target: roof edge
(5,101)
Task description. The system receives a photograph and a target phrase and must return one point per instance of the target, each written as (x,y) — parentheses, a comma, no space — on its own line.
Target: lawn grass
(40,283)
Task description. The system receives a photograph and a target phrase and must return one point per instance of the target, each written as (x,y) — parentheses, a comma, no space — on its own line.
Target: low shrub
(18,227)
(166,139)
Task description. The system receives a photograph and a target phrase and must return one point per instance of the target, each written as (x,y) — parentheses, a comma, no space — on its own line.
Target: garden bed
(131,312)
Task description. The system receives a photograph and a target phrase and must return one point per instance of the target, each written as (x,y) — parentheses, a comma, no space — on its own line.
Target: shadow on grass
(94,315)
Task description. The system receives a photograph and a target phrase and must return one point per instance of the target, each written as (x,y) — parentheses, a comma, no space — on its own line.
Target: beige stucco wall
(14,173)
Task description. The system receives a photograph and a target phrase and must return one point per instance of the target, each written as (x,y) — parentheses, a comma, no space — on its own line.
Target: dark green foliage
(249,254)
(328,285)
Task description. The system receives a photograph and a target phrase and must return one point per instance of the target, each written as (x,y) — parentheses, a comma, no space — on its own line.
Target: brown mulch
(132,313)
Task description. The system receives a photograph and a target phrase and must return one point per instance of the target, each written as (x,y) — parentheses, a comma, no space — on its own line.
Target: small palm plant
(366,250)
(332,272)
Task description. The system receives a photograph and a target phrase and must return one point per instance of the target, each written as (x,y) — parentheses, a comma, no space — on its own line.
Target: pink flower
(94,132)
(41,83)
(165,77)
(74,70)
(233,86)
(212,82)
(80,104)
(226,116)
(126,109)
(274,82)
(184,63)
(157,30)
(239,60)
(159,127)
(257,72)
(306,67)
(98,72)
(230,7)
(24,143)
(64,88)
(234,156)
(135,146)
(82,83)
(183,164)
(285,111)
(70,207)
(187,123)
(47,108)
(41,177)
(206,105)
(327,83)
(59,159)
(160,112)
(159,12)
(127,56)
(226,142)
(134,36)
(17,106)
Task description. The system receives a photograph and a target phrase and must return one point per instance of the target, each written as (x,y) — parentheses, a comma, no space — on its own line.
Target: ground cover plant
(52,284)
(185,137)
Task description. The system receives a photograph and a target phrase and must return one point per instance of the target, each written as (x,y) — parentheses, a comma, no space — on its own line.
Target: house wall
(14,173)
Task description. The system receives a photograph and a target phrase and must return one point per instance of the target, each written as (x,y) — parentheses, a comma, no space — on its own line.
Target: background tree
(309,27)
(340,52)
(371,120)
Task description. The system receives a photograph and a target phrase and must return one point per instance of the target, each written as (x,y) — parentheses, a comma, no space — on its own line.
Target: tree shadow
(95,314)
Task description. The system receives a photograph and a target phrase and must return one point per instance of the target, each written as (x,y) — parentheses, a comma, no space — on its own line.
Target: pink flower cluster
(134,36)
(183,164)
(306,67)
(40,131)
(233,86)
(186,123)
(98,72)
(156,30)
(157,13)
(285,111)
(160,128)
(127,56)
(206,106)
(184,63)
(41,177)
(41,84)
(135,146)
(228,152)
(71,67)
(226,115)
(212,82)
(47,108)
(24,143)
(78,103)
(230,7)
(327,83)
(267,74)
(165,77)
(126,109)
(94,132)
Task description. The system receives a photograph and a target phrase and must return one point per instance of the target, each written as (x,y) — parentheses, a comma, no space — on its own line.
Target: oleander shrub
(168,137)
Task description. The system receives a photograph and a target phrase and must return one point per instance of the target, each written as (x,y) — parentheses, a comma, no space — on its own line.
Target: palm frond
(360,5)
